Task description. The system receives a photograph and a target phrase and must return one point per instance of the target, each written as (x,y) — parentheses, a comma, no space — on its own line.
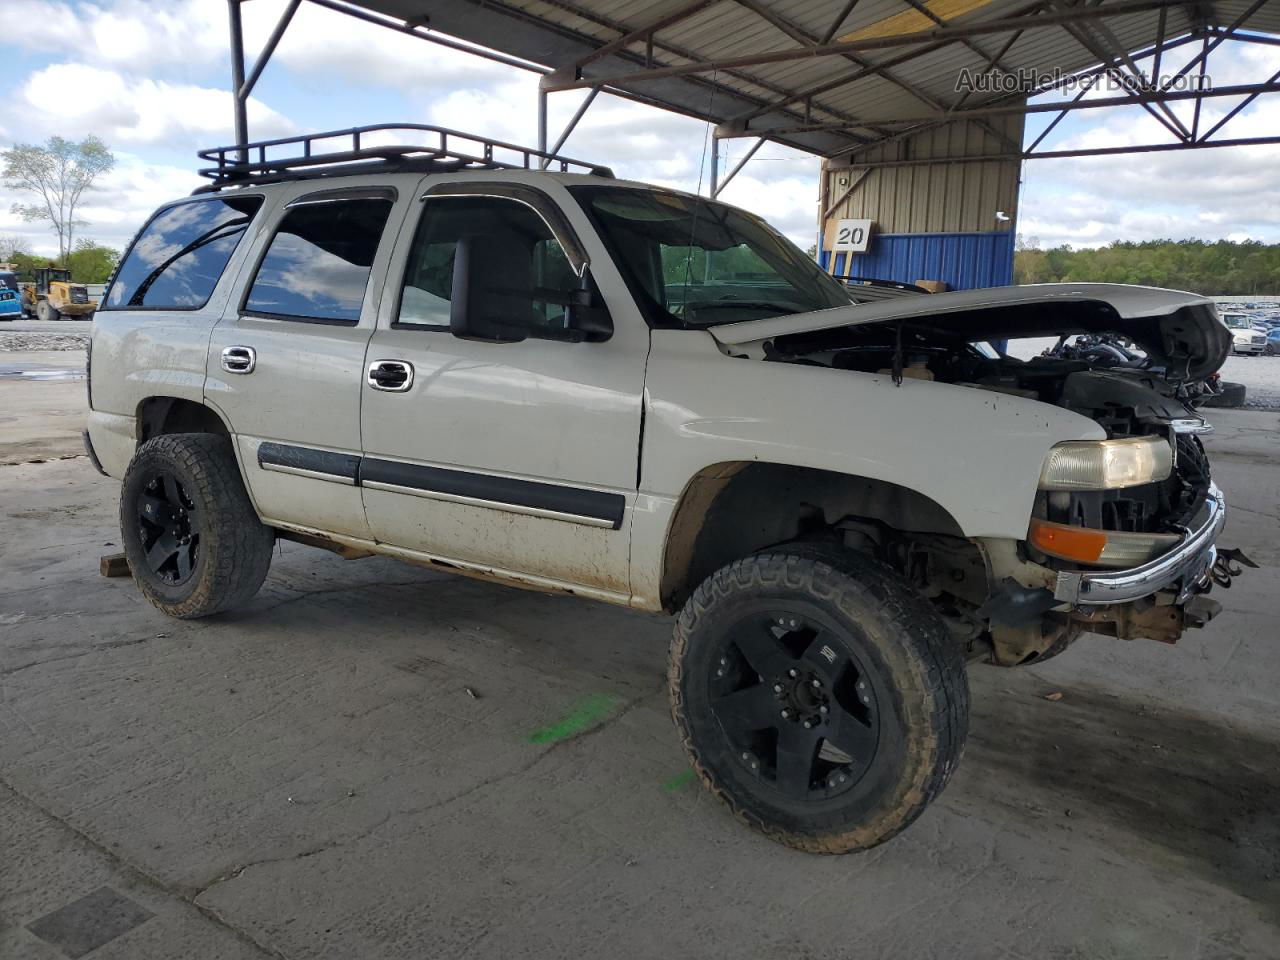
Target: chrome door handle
(239,359)
(394,376)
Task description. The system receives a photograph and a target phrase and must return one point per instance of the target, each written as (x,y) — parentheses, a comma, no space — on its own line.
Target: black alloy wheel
(168,528)
(799,709)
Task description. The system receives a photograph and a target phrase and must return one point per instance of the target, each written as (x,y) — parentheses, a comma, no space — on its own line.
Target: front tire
(194,542)
(820,697)
(47,312)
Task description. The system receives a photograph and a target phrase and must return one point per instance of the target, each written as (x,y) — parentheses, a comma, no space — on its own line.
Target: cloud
(133,110)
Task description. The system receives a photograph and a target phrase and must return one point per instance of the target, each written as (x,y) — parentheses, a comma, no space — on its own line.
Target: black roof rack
(370,150)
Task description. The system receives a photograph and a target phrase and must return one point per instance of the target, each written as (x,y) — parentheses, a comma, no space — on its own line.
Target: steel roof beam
(1111,52)
(806,39)
(652,43)
(1238,107)
(646,32)
(1129,100)
(1062,154)
(417,30)
(1220,36)
(1089,73)
(573,122)
(273,41)
(567,80)
(971,44)
(838,22)
(1247,37)
(719,185)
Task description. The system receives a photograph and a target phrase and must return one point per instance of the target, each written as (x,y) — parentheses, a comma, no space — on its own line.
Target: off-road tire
(904,643)
(234,546)
(47,312)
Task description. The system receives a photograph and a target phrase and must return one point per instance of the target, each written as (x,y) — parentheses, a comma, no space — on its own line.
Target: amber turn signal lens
(1067,542)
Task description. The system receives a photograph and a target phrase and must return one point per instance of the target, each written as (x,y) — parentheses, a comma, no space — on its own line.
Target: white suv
(563,381)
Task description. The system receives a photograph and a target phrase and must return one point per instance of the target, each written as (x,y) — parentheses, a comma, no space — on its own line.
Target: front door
(287,361)
(513,457)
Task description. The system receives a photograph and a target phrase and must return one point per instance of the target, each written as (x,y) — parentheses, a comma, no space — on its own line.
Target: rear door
(286,363)
(517,457)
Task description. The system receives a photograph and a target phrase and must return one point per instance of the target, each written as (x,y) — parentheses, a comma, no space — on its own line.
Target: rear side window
(178,257)
(317,267)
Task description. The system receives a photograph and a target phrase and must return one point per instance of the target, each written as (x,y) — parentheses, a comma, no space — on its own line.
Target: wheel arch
(159,415)
(733,509)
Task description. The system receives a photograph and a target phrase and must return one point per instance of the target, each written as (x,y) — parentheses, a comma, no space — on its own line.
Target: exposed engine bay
(1126,402)
(1152,397)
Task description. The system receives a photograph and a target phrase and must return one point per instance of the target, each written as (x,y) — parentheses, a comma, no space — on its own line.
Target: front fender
(976,453)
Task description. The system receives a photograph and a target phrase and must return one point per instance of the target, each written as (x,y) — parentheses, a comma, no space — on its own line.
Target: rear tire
(194,542)
(820,697)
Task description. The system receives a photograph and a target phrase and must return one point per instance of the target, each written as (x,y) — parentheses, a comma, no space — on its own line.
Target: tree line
(1210,267)
(89,262)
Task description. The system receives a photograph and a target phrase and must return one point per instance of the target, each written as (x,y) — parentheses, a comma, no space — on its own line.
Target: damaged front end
(1122,535)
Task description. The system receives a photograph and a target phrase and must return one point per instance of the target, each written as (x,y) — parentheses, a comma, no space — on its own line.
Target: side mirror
(587,317)
(492,297)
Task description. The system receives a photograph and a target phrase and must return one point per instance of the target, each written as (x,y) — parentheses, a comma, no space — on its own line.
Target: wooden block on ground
(114,565)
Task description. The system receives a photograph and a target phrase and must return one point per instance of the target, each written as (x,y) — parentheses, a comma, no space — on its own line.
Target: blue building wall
(965,261)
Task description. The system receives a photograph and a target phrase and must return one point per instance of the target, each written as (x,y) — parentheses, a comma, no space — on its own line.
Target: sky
(151,79)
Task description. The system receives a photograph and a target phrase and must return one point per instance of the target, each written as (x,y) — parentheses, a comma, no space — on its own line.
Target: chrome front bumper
(1186,565)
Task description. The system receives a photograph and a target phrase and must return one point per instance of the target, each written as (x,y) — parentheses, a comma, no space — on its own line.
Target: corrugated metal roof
(853,88)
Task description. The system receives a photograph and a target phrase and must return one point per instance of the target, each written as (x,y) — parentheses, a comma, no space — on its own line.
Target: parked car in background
(1246,339)
(10,295)
(10,304)
(1272,347)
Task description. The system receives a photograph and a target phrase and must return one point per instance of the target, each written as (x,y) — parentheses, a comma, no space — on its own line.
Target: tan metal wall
(931,198)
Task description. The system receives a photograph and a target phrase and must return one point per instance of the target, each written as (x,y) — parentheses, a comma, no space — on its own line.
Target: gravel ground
(11,340)
(1261,378)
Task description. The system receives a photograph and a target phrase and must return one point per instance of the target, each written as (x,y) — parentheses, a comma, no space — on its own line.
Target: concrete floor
(42,405)
(310,777)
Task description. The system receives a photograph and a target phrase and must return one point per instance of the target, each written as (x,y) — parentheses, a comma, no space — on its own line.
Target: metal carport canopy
(837,76)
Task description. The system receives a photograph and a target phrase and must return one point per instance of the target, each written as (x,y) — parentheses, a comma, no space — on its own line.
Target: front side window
(691,262)
(528,260)
(178,257)
(318,264)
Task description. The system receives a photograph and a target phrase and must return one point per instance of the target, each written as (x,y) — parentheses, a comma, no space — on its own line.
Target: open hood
(1181,331)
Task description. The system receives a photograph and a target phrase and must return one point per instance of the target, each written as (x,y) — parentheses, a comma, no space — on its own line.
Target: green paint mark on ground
(587,713)
(678,781)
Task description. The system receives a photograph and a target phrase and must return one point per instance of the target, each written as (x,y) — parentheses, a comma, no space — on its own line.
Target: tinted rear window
(318,264)
(177,259)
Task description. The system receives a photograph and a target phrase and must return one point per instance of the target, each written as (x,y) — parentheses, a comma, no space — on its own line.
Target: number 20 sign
(852,236)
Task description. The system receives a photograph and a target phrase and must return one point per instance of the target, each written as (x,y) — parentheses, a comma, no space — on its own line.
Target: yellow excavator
(53,296)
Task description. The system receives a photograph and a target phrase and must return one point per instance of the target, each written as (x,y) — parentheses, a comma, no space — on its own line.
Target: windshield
(1237,321)
(690,262)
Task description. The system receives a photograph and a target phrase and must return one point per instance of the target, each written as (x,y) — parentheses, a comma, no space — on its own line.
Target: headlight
(1106,464)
